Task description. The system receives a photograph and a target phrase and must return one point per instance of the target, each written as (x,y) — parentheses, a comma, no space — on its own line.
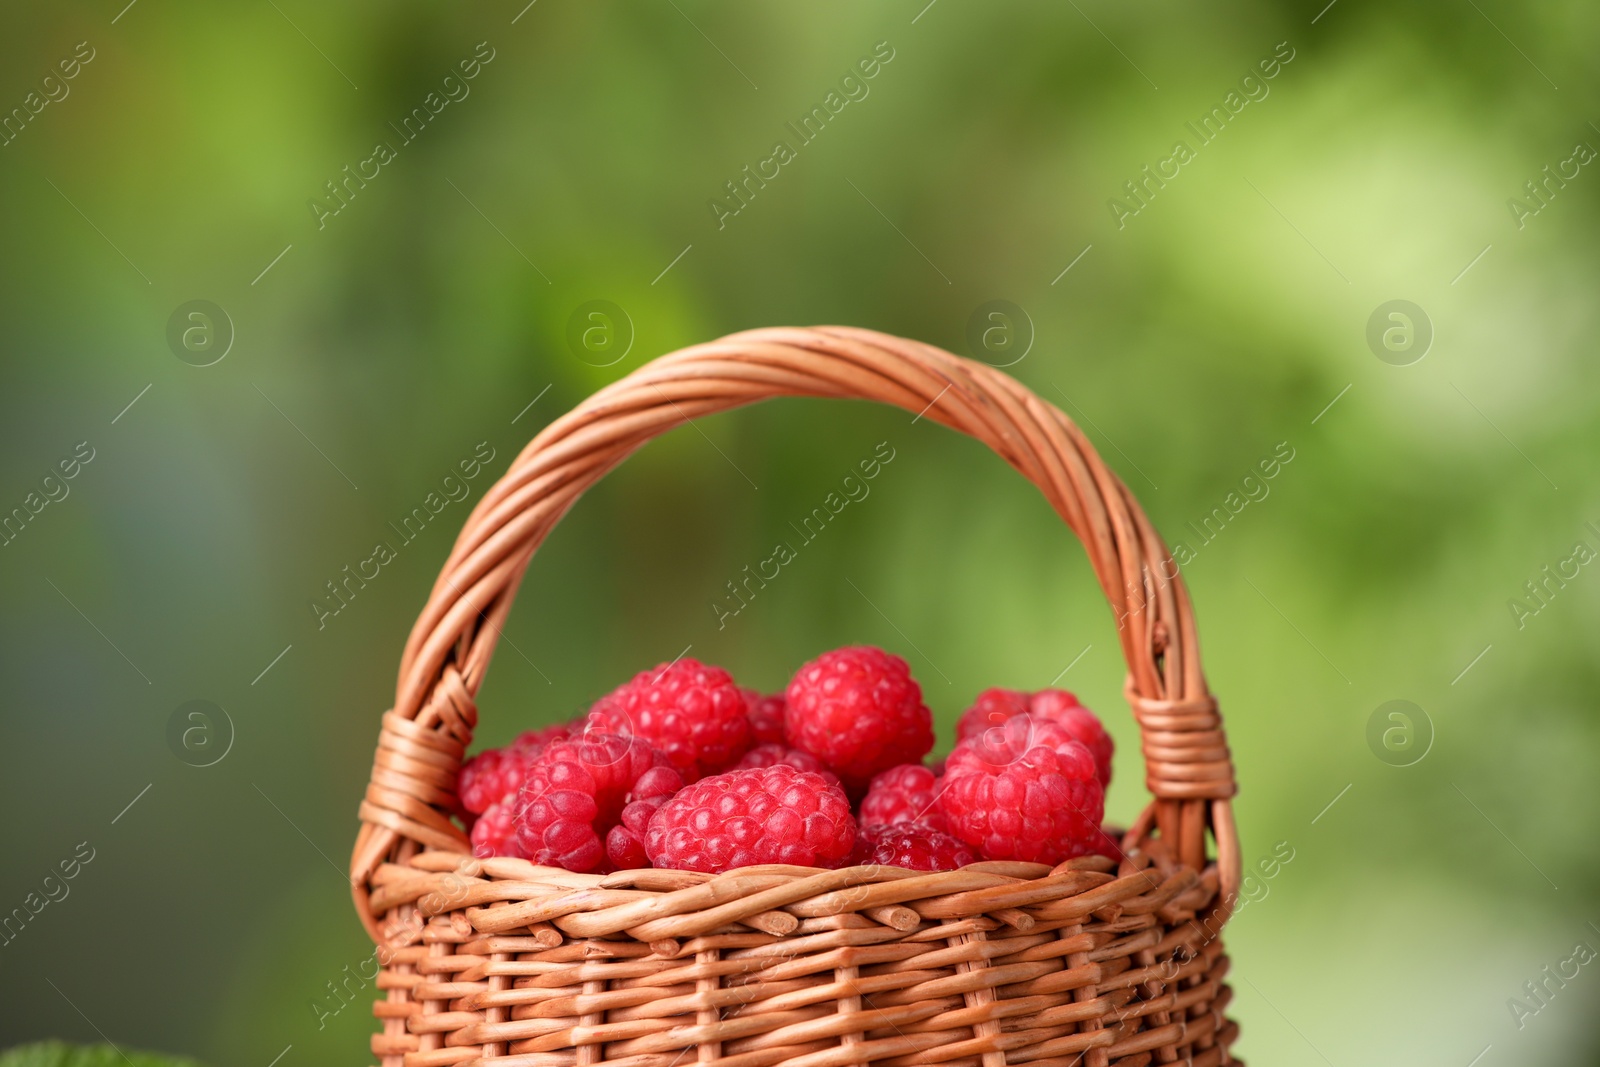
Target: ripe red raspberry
(1024,790)
(497,773)
(578,790)
(625,841)
(489,776)
(625,848)
(772,755)
(494,832)
(907,793)
(532,742)
(766,718)
(693,713)
(1060,706)
(994,706)
(990,708)
(915,846)
(859,711)
(771,814)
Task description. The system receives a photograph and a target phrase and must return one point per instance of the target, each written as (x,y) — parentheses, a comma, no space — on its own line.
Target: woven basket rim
(682,905)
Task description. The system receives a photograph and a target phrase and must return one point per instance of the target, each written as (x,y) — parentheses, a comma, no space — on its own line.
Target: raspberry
(772,755)
(766,717)
(532,742)
(915,846)
(487,777)
(496,773)
(907,793)
(994,706)
(771,814)
(625,849)
(577,790)
(493,831)
(1062,707)
(1024,790)
(625,841)
(990,708)
(859,711)
(693,713)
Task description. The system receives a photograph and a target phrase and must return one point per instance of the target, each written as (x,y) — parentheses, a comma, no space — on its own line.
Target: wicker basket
(503,962)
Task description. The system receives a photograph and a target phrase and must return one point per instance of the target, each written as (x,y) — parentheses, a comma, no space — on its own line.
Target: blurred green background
(375,348)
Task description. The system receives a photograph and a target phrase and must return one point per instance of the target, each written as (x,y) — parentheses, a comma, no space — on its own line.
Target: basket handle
(425,737)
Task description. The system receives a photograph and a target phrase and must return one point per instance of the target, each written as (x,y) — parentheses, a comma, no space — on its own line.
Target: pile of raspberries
(681,768)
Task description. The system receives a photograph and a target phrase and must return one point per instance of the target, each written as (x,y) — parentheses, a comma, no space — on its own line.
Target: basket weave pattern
(504,962)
